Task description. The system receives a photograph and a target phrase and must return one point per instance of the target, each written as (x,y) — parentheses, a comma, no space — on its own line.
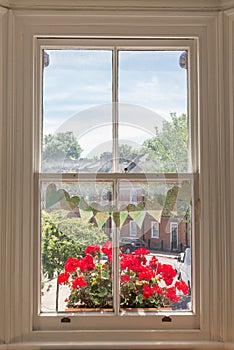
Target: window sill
(119,345)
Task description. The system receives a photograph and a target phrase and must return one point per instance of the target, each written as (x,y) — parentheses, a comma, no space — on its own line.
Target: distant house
(168,234)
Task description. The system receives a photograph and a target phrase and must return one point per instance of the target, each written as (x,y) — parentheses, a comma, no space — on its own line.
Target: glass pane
(76,249)
(77,112)
(155,266)
(153,112)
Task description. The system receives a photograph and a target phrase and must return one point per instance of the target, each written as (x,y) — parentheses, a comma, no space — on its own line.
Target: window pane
(76,252)
(154,229)
(155,263)
(153,121)
(77,112)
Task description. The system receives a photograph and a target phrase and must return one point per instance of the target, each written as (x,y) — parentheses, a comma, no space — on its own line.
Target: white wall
(19,20)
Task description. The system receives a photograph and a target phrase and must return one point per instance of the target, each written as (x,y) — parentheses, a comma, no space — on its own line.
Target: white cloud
(72,85)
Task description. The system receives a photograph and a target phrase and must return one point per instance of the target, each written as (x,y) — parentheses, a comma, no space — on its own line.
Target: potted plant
(89,278)
(144,281)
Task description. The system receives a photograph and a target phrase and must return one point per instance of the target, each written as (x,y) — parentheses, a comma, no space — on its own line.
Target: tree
(58,148)
(127,153)
(85,233)
(169,148)
(62,238)
(57,247)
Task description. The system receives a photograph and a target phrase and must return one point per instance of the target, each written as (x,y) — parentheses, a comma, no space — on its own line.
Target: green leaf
(102,292)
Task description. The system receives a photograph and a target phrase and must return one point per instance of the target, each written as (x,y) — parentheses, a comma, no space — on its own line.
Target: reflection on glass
(153,123)
(76,248)
(77,112)
(155,245)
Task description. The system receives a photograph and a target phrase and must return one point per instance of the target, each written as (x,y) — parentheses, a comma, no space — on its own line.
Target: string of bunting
(61,199)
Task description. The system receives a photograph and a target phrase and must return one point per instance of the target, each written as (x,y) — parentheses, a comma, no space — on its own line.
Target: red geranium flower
(142,251)
(131,262)
(107,248)
(147,291)
(92,249)
(86,263)
(171,294)
(63,277)
(181,285)
(158,290)
(146,275)
(167,272)
(124,278)
(153,262)
(78,282)
(71,264)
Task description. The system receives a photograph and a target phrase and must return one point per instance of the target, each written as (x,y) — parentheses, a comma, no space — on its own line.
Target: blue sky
(78,83)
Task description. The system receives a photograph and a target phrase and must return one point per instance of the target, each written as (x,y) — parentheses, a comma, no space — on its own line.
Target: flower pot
(146,309)
(88,309)
(127,309)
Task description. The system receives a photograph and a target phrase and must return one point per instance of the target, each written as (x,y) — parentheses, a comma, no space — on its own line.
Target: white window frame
(25,31)
(118,44)
(153,224)
(133,228)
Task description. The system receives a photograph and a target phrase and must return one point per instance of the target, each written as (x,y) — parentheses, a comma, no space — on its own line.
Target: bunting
(119,215)
(53,196)
(101,218)
(122,217)
(138,217)
(156,214)
(86,215)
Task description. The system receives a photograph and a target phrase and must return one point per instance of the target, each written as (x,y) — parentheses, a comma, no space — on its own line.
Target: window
(133,197)
(113,157)
(207,321)
(174,235)
(154,229)
(133,228)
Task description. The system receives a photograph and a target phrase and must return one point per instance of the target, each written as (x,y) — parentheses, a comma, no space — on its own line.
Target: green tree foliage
(127,153)
(56,247)
(169,148)
(63,237)
(60,147)
(80,231)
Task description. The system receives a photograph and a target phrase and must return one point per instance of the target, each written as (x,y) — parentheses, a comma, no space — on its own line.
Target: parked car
(183,267)
(129,244)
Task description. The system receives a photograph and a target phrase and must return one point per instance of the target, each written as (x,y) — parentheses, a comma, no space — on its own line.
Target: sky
(77,95)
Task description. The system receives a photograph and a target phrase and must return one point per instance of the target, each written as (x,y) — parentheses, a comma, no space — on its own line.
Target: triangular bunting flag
(185,192)
(84,205)
(122,217)
(101,218)
(156,214)
(138,217)
(53,196)
(86,215)
(171,198)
